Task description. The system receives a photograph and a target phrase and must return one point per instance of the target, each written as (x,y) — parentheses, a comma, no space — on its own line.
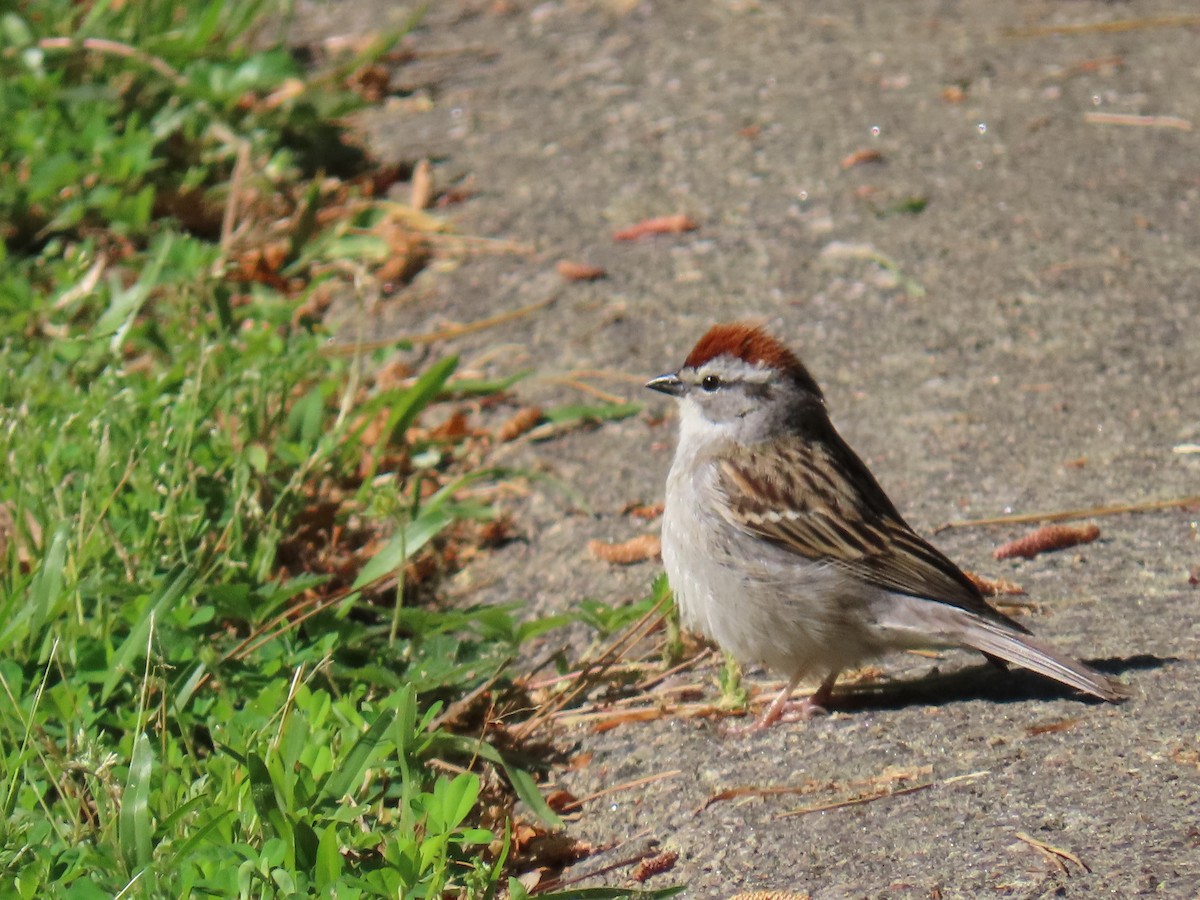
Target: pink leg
(784,709)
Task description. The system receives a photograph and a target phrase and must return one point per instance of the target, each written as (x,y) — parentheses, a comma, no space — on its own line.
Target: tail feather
(942,624)
(1030,653)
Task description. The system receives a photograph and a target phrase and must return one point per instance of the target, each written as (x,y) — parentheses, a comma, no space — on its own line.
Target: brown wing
(824,504)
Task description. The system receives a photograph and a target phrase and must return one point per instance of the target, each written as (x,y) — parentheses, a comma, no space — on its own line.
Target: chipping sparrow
(782,548)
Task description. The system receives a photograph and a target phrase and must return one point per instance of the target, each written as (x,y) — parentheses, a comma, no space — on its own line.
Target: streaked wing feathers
(818,499)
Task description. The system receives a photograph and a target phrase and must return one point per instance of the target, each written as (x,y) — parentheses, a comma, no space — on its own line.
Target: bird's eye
(710,382)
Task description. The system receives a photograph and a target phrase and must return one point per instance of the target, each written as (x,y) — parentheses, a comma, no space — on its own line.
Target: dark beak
(667,384)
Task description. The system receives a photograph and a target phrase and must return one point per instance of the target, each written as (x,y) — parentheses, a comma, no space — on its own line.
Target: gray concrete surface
(1050,359)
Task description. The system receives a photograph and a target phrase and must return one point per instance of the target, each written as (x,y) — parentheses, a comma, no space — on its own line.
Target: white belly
(762,603)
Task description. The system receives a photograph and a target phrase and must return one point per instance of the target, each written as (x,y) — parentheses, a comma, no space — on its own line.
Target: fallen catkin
(644,510)
(661,225)
(1047,538)
(655,865)
(522,421)
(574,271)
(647,546)
(992,587)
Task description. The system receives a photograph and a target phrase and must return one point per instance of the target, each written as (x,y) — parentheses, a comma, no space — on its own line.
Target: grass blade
(178,582)
(44,592)
(134,830)
(197,837)
(520,779)
(412,537)
(339,782)
(415,399)
(266,800)
(606,412)
(126,302)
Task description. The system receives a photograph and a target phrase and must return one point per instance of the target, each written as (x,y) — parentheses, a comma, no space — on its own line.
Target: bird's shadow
(982,682)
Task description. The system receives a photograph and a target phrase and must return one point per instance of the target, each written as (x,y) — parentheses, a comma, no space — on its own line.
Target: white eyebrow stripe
(733,369)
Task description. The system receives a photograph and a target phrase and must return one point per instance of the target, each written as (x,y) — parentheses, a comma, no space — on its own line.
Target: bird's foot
(798,711)
(784,709)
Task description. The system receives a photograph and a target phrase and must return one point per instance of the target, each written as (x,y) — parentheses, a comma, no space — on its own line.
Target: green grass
(200,694)
(148,506)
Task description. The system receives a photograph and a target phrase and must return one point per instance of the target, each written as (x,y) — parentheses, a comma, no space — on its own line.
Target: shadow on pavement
(982,682)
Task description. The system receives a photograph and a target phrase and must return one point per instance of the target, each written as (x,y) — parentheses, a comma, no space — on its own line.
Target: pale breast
(760,602)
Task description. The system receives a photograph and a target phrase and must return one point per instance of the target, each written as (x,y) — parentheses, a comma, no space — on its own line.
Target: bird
(781,547)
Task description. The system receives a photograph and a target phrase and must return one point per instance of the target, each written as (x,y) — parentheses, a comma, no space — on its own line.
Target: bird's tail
(966,629)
